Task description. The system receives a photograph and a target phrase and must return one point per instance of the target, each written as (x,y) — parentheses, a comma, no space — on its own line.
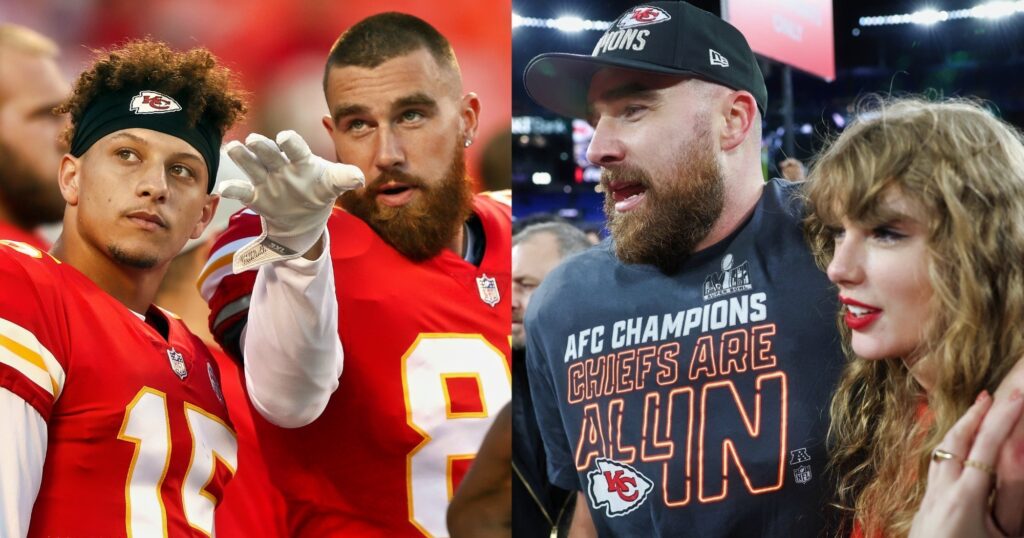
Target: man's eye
(127,155)
(632,111)
(411,115)
(182,170)
(356,125)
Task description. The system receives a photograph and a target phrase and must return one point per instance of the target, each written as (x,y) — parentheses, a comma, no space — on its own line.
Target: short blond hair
(25,40)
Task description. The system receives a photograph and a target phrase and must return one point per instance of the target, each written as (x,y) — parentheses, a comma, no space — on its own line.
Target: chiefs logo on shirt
(617,487)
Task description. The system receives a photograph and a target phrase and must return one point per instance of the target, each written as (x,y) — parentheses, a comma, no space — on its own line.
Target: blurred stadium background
(278,47)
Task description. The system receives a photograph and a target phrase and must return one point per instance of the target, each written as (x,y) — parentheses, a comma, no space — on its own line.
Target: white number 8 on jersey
(433,365)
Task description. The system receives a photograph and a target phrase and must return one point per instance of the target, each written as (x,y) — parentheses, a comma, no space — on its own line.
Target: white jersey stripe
(21,350)
(214,270)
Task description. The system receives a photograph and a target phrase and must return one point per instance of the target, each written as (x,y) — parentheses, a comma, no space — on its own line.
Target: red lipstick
(859,315)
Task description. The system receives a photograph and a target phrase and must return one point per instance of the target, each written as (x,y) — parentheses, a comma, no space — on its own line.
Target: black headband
(145,109)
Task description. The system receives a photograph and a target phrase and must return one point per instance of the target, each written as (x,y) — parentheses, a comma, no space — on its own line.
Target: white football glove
(293,191)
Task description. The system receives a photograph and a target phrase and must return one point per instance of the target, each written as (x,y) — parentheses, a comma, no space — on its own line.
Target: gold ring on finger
(980,466)
(938,455)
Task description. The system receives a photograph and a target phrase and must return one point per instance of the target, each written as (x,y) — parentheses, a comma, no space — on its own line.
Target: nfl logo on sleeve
(488,288)
(617,487)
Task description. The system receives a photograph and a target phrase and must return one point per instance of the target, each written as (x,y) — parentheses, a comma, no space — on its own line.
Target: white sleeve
(293,355)
(23,437)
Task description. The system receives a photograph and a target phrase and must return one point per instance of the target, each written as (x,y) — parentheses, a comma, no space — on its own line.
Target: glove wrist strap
(264,249)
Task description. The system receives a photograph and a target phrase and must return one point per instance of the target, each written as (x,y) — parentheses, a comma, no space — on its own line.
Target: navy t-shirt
(694,404)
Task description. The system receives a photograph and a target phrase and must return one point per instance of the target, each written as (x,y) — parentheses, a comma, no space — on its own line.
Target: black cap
(673,38)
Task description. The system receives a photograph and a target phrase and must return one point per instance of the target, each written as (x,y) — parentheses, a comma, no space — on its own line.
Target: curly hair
(194,78)
(965,168)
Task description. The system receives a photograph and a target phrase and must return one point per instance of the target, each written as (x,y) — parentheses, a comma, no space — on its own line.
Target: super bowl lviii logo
(732,279)
(617,487)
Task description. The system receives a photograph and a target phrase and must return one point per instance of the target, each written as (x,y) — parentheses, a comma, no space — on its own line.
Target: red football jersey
(252,506)
(426,370)
(13,233)
(139,442)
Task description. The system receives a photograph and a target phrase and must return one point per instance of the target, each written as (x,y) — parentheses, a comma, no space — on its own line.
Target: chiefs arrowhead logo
(149,102)
(617,487)
(642,16)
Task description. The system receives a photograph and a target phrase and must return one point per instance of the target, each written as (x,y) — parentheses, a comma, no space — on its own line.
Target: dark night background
(968,57)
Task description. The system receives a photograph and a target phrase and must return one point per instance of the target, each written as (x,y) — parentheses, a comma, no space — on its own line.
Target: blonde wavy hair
(965,169)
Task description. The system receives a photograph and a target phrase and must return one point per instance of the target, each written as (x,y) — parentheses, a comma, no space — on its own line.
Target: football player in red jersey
(422,267)
(251,506)
(30,151)
(112,421)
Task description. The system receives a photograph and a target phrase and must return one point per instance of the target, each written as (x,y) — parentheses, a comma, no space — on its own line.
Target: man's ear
(209,210)
(469,116)
(739,109)
(328,122)
(68,178)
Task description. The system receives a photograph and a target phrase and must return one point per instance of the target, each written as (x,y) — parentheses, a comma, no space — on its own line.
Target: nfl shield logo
(802,474)
(488,289)
(177,363)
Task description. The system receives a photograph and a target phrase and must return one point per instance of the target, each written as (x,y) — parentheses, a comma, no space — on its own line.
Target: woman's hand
(956,503)
(1010,463)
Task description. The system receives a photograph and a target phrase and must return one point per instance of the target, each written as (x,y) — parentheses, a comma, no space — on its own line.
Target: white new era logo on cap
(149,102)
(718,59)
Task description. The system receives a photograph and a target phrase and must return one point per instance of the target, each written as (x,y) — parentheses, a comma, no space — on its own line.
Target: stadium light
(569,24)
(928,17)
(995,10)
(999,9)
(541,178)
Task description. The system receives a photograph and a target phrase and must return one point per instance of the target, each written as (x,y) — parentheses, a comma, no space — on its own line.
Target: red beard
(426,225)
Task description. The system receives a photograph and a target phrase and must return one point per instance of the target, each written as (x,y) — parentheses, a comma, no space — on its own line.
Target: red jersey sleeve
(32,358)
(227,293)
